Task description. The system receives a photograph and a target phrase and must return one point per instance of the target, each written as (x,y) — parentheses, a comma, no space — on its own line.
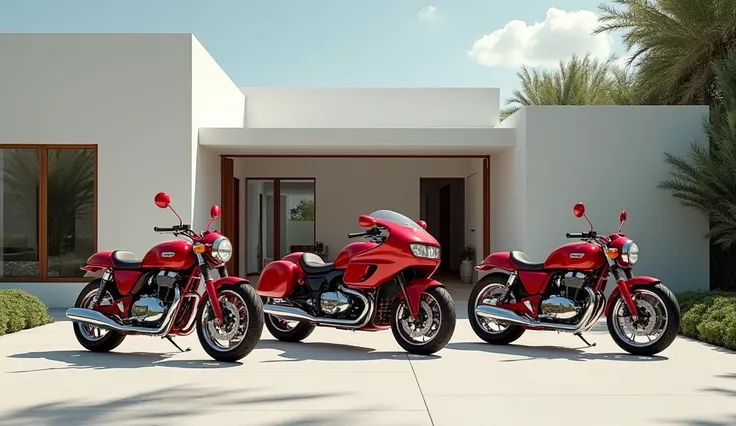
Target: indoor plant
(467,266)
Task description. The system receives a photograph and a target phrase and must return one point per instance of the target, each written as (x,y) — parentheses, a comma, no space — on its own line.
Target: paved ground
(347,378)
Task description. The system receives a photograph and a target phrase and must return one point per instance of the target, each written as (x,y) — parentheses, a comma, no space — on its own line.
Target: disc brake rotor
(225,331)
(421,326)
(643,328)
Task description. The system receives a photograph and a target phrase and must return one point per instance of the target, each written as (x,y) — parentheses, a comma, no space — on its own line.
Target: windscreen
(398,218)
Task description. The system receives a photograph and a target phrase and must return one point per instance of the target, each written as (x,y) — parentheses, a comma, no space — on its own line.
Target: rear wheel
(241,329)
(93,338)
(487,291)
(432,329)
(287,330)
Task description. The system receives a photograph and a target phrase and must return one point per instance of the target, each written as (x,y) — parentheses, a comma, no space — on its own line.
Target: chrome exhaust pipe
(601,307)
(506,316)
(98,319)
(293,313)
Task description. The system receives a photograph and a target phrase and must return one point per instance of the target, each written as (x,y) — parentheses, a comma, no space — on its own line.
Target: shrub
(20,310)
(710,317)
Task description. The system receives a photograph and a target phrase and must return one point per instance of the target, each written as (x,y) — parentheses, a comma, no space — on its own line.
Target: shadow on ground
(730,421)
(318,351)
(85,360)
(550,352)
(163,407)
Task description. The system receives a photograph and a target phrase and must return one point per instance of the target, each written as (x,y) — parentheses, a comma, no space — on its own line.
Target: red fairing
(125,279)
(343,258)
(635,281)
(534,282)
(500,260)
(576,256)
(293,257)
(100,260)
(278,279)
(414,290)
(174,254)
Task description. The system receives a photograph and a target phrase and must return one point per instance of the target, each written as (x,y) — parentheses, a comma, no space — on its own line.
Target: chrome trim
(506,316)
(216,248)
(601,299)
(193,317)
(625,249)
(97,319)
(293,313)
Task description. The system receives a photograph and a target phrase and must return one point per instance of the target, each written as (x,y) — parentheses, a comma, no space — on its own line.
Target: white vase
(466,271)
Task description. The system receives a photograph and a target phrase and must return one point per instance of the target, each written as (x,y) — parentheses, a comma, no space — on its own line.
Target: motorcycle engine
(155,301)
(567,301)
(334,302)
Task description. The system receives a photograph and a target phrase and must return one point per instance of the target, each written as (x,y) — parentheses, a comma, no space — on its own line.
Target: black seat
(522,261)
(125,260)
(314,265)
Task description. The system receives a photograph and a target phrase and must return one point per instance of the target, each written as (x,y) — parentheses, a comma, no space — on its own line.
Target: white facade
(162,112)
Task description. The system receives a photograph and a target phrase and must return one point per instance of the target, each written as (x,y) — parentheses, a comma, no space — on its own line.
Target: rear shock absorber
(106,277)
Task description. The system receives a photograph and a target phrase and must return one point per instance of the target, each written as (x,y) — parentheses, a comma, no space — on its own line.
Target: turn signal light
(198,248)
(612,253)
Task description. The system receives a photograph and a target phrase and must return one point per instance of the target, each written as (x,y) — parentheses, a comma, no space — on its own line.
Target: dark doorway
(442,206)
(236,232)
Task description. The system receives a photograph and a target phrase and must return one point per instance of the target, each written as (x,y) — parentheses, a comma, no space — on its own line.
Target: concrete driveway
(338,377)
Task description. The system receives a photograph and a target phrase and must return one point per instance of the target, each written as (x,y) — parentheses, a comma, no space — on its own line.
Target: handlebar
(371,231)
(175,228)
(591,234)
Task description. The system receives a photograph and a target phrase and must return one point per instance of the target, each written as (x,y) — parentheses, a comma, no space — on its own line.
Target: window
(48,211)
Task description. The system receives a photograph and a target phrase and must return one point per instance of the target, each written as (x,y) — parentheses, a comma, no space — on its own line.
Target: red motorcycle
(158,295)
(382,282)
(565,293)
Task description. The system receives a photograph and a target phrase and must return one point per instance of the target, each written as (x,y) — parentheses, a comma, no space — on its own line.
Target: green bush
(710,317)
(19,311)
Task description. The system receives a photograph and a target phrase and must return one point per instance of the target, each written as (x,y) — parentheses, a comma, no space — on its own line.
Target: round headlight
(222,249)
(630,252)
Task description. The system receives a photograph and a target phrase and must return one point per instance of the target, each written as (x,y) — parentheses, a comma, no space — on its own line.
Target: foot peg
(175,345)
(585,341)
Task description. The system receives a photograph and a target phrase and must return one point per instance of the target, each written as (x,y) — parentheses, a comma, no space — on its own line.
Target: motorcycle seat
(521,260)
(314,265)
(125,260)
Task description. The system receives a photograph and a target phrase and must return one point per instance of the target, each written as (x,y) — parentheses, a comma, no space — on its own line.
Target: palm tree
(675,44)
(707,180)
(578,81)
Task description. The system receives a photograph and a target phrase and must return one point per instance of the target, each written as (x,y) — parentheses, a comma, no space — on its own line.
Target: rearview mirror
(423,224)
(366,221)
(579,210)
(622,217)
(162,200)
(215,211)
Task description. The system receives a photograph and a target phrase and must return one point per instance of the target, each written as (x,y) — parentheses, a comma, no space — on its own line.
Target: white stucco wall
(612,158)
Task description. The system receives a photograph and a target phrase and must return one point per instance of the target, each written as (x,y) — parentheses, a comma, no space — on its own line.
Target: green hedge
(19,311)
(709,316)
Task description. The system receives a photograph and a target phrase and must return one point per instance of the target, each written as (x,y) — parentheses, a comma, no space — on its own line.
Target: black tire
(447,323)
(670,332)
(112,339)
(254,306)
(295,334)
(505,337)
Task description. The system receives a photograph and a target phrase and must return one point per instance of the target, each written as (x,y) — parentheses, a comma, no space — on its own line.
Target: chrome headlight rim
(222,249)
(424,251)
(630,252)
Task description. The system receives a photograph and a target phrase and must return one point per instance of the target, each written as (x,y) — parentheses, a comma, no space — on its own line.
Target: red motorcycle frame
(158,295)
(367,288)
(565,293)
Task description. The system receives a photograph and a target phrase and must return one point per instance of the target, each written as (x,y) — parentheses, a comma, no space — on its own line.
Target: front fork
(621,278)
(209,285)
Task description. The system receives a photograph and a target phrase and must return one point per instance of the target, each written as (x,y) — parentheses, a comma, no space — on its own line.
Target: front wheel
(238,335)
(432,329)
(658,324)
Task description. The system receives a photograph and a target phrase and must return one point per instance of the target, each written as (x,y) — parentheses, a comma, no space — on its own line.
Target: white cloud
(429,13)
(543,44)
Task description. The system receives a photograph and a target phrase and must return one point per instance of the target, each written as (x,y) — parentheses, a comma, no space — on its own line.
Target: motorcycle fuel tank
(343,258)
(174,254)
(576,256)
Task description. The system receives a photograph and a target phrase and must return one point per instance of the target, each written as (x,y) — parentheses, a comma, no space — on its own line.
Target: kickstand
(175,345)
(583,339)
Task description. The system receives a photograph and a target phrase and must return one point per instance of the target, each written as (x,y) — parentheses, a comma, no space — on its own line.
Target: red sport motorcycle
(565,293)
(158,295)
(384,281)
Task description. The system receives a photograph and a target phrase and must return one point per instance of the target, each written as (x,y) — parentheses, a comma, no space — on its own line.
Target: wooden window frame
(43,209)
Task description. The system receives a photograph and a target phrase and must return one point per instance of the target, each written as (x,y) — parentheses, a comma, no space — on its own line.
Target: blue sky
(343,42)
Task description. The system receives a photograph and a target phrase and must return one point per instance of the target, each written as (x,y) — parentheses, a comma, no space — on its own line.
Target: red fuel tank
(343,258)
(576,256)
(174,254)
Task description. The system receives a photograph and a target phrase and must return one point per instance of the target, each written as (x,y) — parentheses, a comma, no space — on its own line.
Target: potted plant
(467,266)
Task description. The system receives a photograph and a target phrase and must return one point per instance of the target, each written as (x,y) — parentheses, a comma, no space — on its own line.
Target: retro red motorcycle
(158,295)
(565,293)
(384,281)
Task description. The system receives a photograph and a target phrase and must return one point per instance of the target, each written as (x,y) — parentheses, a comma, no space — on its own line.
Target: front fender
(225,281)
(414,290)
(633,282)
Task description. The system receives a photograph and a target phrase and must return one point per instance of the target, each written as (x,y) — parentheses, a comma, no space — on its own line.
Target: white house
(93,125)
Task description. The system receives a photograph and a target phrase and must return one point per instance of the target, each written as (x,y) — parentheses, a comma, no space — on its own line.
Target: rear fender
(414,290)
(631,283)
(499,260)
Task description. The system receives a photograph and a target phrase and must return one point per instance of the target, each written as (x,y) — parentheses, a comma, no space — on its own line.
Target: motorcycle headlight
(630,252)
(222,249)
(428,252)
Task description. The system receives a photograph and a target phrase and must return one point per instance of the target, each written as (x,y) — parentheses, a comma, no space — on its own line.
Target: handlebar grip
(157,229)
(357,234)
(575,234)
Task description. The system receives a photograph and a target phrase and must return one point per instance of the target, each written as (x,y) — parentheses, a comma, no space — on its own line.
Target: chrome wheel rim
(282,324)
(489,296)
(90,332)
(427,326)
(650,327)
(225,337)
